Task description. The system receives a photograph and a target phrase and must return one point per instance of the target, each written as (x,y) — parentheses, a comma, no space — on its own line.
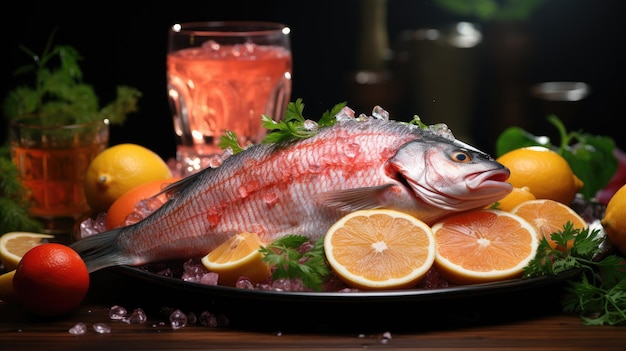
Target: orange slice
(549,216)
(236,257)
(14,245)
(380,249)
(483,246)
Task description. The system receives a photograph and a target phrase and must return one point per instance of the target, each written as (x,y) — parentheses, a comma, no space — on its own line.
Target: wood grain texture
(523,331)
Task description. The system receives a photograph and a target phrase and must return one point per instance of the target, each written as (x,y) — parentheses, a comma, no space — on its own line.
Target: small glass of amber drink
(52,162)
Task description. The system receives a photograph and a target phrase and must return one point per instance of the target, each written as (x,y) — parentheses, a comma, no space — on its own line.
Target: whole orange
(51,279)
(126,204)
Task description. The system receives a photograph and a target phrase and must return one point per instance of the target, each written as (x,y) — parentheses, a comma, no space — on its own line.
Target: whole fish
(303,187)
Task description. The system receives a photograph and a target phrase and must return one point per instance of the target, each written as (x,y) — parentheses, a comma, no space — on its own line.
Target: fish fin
(174,188)
(101,250)
(354,199)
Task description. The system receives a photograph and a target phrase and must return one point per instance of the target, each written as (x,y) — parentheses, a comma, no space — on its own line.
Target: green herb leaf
(229,140)
(600,295)
(328,117)
(310,266)
(294,125)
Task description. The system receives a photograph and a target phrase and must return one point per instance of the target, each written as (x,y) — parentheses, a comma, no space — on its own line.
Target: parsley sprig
(294,125)
(600,295)
(229,140)
(310,266)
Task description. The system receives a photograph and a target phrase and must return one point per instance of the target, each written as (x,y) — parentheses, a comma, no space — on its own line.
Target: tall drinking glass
(52,162)
(222,77)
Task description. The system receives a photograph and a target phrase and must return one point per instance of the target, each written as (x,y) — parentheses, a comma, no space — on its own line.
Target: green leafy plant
(599,297)
(56,96)
(590,156)
(13,206)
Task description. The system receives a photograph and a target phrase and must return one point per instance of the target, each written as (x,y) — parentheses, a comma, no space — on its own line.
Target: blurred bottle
(440,68)
(566,100)
(373,82)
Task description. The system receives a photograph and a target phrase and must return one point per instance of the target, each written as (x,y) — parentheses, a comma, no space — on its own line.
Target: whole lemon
(614,220)
(546,173)
(118,169)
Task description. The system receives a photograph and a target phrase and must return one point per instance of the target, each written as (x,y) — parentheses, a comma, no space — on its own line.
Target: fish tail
(101,250)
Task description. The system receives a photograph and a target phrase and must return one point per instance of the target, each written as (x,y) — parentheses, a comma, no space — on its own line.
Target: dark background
(125,43)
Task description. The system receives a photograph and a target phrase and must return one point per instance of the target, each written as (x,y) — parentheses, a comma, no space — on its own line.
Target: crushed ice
(385,338)
(78,329)
(91,226)
(310,125)
(137,317)
(178,319)
(246,49)
(117,313)
(380,113)
(346,113)
(101,328)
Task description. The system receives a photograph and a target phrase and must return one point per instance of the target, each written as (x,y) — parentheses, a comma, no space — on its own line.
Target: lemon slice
(236,257)
(14,245)
(7,292)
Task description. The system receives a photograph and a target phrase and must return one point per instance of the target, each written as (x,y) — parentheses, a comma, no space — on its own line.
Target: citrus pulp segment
(14,245)
(380,249)
(549,216)
(238,257)
(483,246)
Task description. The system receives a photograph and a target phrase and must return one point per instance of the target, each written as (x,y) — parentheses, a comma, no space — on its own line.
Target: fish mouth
(480,189)
(494,179)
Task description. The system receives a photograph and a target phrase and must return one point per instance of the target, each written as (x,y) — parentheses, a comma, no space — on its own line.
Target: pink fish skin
(305,186)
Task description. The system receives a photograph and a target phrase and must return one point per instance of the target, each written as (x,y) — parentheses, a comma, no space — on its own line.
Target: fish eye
(461,156)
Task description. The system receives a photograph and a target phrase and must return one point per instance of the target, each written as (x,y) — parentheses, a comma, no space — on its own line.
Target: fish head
(450,175)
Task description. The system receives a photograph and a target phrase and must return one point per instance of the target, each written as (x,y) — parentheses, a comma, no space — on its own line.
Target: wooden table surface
(524,321)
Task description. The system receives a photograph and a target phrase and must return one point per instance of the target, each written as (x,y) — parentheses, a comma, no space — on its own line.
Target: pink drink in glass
(218,88)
